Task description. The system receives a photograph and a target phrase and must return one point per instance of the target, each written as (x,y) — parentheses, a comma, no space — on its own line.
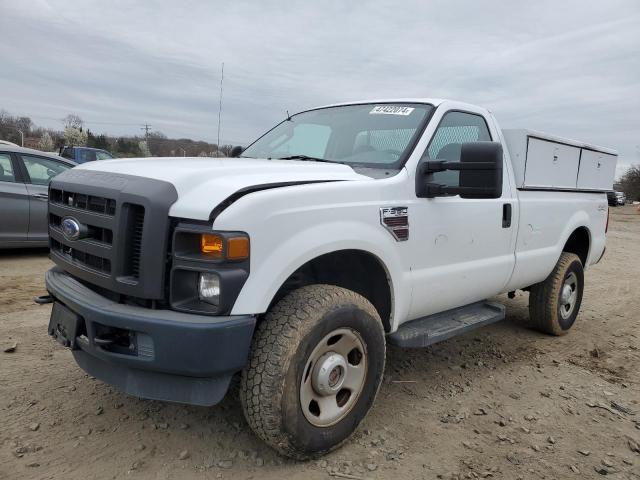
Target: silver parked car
(24,182)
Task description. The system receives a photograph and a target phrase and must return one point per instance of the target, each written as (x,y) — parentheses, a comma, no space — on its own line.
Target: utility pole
(220,105)
(146,127)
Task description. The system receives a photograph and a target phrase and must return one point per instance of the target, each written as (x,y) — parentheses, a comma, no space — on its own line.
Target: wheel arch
(354,269)
(579,242)
(274,261)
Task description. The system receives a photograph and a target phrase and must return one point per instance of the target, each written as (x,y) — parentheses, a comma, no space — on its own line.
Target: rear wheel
(316,365)
(554,303)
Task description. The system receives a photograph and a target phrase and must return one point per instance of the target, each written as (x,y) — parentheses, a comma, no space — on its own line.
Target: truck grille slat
(81,201)
(93,262)
(136,219)
(96,233)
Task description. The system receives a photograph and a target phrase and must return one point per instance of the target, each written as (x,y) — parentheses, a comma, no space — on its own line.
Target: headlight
(212,245)
(208,269)
(209,288)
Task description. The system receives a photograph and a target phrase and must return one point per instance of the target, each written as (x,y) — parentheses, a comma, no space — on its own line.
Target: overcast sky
(567,67)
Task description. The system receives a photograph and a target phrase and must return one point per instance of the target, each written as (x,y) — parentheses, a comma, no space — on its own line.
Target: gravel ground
(501,402)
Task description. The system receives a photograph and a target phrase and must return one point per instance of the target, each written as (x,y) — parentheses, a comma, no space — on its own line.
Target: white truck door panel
(597,169)
(551,161)
(463,253)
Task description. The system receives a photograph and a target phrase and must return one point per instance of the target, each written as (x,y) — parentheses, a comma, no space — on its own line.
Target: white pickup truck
(340,230)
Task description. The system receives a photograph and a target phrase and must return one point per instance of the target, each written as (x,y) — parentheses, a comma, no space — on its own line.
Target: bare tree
(630,183)
(225,150)
(72,121)
(24,124)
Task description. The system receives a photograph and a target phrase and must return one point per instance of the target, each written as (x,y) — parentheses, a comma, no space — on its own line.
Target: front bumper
(178,357)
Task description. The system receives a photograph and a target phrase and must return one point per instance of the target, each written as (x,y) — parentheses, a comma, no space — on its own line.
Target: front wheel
(555,302)
(315,368)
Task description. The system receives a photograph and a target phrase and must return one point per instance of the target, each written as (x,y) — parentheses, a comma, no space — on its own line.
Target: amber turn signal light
(211,244)
(237,248)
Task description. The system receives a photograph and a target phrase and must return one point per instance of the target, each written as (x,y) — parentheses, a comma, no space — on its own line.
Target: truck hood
(203,183)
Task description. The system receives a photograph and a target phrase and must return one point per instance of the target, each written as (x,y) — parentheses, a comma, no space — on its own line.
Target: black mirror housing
(236,151)
(480,169)
(486,179)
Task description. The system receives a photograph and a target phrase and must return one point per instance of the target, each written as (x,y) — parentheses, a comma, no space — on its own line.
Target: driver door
(466,246)
(39,172)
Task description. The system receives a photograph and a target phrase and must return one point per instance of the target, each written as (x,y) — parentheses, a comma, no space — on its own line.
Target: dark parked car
(24,182)
(616,198)
(84,154)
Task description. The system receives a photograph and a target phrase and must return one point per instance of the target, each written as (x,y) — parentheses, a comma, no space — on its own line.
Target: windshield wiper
(306,157)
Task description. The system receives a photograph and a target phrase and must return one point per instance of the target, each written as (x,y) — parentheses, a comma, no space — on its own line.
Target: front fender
(273,263)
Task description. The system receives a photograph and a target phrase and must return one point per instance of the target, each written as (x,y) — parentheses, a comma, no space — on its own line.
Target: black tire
(545,303)
(282,344)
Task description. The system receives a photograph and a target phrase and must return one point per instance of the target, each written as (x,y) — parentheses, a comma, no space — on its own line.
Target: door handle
(506,215)
(41,196)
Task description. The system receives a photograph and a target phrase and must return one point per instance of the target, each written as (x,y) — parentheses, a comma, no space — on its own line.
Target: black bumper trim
(156,386)
(194,356)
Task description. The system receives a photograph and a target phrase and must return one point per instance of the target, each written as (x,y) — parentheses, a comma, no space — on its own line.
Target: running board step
(441,326)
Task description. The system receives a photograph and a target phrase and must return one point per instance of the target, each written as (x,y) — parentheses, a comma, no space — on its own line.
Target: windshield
(373,135)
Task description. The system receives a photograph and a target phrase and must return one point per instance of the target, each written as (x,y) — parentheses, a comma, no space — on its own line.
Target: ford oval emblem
(71,228)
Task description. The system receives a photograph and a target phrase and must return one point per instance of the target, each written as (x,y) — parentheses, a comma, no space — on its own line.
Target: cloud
(571,68)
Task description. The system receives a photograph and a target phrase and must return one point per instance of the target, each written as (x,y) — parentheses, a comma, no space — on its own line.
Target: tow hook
(43,299)
(102,342)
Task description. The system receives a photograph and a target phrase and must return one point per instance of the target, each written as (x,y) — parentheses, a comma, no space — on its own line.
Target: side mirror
(480,169)
(236,151)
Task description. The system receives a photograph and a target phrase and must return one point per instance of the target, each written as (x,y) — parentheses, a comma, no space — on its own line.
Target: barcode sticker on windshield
(391,110)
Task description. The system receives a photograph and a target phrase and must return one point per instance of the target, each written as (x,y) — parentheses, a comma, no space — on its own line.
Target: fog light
(209,288)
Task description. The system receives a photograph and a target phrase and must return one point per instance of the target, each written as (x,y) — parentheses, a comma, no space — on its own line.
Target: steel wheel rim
(568,295)
(333,377)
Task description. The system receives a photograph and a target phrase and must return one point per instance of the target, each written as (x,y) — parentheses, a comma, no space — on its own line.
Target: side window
(42,170)
(6,168)
(103,156)
(68,153)
(87,156)
(455,129)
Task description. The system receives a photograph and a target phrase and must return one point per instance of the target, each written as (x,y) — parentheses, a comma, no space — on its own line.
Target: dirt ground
(500,402)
